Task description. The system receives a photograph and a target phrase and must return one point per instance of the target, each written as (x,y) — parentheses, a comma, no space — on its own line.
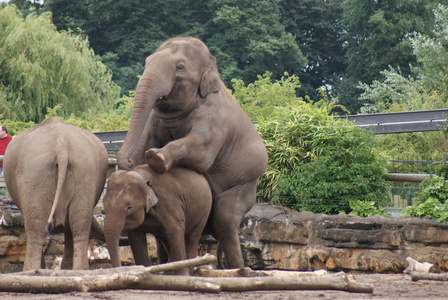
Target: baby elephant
(173,206)
(55,173)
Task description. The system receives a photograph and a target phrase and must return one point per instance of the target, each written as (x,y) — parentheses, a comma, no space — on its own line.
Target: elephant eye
(129,208)
(180,67)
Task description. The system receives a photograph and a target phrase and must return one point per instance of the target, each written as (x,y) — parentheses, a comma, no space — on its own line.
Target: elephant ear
(210,81)
(151,197)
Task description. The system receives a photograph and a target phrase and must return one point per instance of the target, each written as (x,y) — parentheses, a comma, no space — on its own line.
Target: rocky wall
(276,238)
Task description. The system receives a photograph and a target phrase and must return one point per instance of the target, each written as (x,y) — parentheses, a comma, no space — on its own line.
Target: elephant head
(177,76)
(128,199)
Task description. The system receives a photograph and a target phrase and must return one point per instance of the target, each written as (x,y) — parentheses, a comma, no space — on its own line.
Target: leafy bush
(431,202)
(365,208)
(318,163)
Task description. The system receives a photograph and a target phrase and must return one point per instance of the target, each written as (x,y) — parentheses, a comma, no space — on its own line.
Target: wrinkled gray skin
(55,173)
(183,115)
(173,206)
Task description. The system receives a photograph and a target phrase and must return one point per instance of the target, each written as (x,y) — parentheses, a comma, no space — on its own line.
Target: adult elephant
(55,173)
(183,115)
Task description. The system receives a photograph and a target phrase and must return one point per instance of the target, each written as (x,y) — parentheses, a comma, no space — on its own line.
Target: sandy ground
(386,286)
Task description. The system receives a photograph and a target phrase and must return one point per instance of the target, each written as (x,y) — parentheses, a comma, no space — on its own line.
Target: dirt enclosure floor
(386,286)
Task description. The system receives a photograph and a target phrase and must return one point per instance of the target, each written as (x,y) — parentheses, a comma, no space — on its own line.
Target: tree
(317,28)
(376,37)
(40,68)
(427,77)
(248,39)
(125,32)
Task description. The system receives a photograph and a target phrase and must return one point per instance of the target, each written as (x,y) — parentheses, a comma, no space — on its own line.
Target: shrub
(320,164)
(431,202)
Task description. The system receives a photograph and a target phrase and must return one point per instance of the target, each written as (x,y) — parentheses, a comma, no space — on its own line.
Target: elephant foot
(156,160)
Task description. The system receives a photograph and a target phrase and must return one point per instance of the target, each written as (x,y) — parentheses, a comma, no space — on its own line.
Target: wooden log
(194,262)
(62,281)
(248,272)
(242,272)
(341,282)
(64,284)
(416,276)
(176,265)
(338,281)
(177,283)
(139,277)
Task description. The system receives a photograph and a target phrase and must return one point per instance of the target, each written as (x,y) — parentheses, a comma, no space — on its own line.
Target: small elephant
(55,173)
(183,115)
(173,206)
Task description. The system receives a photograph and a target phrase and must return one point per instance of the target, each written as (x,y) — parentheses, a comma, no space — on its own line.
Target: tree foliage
(318,31)
(423,89)
(246,37)
(432,201)
(40,68)
(376,37)
(316,163)
(426,79)
(260,98)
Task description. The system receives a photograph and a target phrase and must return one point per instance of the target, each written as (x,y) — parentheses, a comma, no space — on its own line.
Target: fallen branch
(248,272)
(139,277)
(64,284)
(194,262)
(338,281)
(198,261)
(177,283)
(62,281)
(416,276)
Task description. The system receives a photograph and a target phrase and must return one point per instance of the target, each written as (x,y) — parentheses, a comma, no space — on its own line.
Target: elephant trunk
(150,88)
(112,232)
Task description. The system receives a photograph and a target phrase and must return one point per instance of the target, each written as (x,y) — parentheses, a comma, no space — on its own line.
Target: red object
(3,144)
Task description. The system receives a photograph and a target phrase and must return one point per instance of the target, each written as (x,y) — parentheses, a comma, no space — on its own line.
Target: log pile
(149,278)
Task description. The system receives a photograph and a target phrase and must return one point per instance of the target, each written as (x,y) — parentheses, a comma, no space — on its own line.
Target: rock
(277,238)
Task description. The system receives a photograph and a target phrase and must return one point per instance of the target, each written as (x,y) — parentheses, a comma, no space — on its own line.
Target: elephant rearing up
(183,115)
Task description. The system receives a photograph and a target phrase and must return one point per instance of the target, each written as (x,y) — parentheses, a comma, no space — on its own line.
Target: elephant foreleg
(193,151)
(176,249)
(139,247)
(192,243)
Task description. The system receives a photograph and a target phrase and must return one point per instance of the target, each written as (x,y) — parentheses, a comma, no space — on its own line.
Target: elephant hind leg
(80,222)
(35,240)
(67,258)
(228,211)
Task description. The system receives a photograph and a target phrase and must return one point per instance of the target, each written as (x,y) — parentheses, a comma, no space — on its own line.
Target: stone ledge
(273,238)
(306,241)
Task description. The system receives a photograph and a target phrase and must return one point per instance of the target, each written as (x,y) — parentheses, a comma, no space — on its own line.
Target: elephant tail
(62,165)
